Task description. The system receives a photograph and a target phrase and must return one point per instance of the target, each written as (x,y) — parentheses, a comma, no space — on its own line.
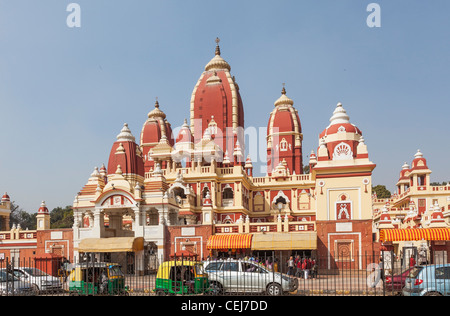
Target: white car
(12,286)
(40,280)
(245,276)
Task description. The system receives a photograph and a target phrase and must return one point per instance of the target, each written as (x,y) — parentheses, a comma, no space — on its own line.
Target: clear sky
(66,92)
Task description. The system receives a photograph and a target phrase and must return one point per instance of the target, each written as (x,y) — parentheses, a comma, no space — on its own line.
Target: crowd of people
(302,267)
(297,266)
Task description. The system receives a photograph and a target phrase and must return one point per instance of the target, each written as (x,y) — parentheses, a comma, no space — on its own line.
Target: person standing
(299,272)
(305,268)
(290,266)
(412,261)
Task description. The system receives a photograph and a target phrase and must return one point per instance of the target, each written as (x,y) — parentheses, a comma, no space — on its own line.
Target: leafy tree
(22,218)
(382,192)
(61,217)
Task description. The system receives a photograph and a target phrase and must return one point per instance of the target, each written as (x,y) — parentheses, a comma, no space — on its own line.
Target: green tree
(382,192)
(61,217)
(23,218)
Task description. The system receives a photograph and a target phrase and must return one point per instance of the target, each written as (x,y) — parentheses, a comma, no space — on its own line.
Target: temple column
(99,223)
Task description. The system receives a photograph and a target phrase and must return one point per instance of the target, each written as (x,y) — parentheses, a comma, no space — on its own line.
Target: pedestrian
(104,282)
(299,272)
(290,264)
(305,268)
(381,267)
(268,267)
(313,269)
(412,261)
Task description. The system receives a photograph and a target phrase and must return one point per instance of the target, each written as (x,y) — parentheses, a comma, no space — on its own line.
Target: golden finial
(156,103)
(284,89)
(217,46)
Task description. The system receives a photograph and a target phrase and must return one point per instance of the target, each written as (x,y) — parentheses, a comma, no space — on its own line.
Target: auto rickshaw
(182,277)
(98,278)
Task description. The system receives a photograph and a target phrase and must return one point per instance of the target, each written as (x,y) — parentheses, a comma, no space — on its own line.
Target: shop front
(276,247)
(128,252)
(417,246)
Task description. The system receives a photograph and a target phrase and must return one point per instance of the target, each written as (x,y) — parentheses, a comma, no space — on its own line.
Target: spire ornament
(217,46)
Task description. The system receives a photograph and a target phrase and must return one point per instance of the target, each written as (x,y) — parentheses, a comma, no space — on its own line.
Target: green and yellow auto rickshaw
(183,277)
(98,278)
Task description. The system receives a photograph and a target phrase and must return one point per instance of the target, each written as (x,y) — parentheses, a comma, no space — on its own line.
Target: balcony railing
(262,227)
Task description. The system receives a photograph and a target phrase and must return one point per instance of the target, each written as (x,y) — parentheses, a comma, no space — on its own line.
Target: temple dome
(126,153)
(342,139)
(155,129)
(284,135)
(216,99)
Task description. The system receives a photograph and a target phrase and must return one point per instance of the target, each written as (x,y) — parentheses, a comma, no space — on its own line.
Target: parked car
(428,280)
(245,276)
(395,283)
(40,280)
(12,286)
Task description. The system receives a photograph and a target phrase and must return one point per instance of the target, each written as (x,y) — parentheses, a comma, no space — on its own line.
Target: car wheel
(274,289)
(35,289)
(216,288)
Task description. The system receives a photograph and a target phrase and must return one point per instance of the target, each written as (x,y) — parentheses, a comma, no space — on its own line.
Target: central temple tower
(216,107)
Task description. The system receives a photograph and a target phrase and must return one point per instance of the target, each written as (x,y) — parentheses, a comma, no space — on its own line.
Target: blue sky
(66,92)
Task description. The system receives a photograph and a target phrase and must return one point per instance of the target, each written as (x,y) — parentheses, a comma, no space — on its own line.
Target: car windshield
(213,266)
(34,272)
(414,272)
(7,277)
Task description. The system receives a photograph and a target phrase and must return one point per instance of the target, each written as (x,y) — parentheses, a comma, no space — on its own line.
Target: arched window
(304,200)
(205,191)
(228,193)
(258,202)
(227,196)
(179,194)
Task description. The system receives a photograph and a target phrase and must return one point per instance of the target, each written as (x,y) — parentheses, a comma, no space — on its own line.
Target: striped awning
(414,234)
(234,241)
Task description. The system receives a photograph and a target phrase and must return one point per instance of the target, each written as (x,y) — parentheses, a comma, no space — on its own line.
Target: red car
(395,283)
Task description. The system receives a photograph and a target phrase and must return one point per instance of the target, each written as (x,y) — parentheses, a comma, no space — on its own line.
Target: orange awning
(414,234)
(235,241)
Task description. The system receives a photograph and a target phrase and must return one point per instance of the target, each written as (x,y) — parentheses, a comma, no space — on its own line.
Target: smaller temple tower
(343,175)
(284,137)
(43,217)
(5,212)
